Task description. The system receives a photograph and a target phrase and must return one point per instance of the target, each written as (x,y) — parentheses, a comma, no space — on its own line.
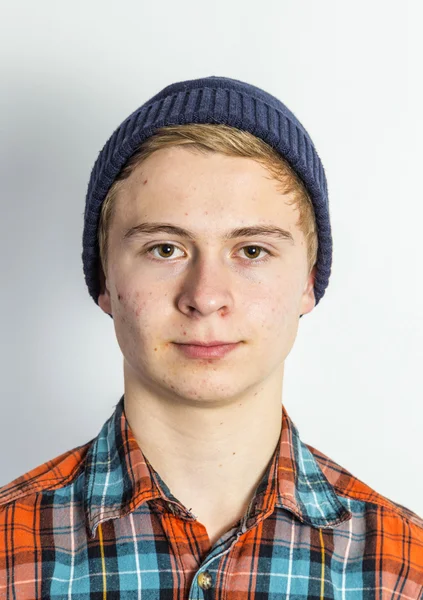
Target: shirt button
(204,580)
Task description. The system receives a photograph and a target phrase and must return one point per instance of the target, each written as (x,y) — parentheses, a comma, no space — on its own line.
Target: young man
(206,238)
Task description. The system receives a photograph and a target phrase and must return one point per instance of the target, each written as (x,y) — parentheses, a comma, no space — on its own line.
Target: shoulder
(51,475)
(347,486)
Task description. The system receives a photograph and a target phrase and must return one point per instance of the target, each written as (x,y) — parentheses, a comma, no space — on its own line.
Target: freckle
(221,423)
(233,452)
(155,349)
(186,214)
(207,212)
(220,465)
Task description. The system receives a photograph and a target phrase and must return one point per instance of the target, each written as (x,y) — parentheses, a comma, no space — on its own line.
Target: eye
(166,246)
(257,248)
(168,251)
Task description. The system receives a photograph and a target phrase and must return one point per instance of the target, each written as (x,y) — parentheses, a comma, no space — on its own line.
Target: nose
(207,288)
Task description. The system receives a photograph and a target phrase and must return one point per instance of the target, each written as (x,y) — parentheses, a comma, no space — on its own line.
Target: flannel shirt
(98,522)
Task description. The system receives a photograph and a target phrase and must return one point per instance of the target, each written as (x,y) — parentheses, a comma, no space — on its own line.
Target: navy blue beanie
(210,100)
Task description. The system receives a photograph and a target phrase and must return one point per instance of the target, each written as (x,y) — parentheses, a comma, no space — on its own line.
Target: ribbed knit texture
(210,100)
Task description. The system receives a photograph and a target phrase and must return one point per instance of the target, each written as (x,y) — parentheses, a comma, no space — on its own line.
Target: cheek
(279,316)
(271,301)
(130,304)
(274,313)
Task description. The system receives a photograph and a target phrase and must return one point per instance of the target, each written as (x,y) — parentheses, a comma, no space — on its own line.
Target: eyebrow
(249,231)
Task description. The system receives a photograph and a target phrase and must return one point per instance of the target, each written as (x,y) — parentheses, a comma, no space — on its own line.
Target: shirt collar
(119,478)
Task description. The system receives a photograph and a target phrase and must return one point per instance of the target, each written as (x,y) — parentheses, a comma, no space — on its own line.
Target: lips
(207,351)
(207,344)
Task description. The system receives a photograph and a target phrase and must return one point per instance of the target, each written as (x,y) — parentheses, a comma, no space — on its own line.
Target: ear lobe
(308,301)
(313,274)
(310,281)
(103,299)
(101,279)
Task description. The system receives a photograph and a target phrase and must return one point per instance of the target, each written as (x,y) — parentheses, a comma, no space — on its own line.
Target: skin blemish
(119,297)
(145,181)
(137,312)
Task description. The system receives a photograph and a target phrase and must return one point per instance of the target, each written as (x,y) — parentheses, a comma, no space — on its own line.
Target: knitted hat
(211,100)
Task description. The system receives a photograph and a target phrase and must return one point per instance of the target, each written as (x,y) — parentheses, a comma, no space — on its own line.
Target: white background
(352,73)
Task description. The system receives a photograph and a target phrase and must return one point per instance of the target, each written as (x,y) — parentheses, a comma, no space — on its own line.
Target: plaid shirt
(98,522)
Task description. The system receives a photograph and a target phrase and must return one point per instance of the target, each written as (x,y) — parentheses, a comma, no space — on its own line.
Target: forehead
(178,166)
(208,189)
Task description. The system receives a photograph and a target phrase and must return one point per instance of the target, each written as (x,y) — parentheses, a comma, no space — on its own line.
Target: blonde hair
(231,142)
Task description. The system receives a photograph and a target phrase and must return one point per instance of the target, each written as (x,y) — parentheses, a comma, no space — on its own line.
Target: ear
(308,300)
(104,300)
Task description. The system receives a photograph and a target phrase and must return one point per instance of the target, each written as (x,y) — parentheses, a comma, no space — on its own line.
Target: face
(164,289)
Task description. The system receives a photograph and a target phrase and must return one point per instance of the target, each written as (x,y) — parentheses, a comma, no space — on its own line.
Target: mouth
(213,350)
(211,343)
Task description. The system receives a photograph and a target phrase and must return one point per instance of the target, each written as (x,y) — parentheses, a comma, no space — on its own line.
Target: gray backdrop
(351,72)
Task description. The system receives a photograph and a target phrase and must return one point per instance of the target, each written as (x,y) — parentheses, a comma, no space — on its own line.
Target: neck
(210,453)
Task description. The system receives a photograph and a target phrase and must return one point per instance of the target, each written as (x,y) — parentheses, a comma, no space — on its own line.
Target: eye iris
(256,250)
(166,246)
